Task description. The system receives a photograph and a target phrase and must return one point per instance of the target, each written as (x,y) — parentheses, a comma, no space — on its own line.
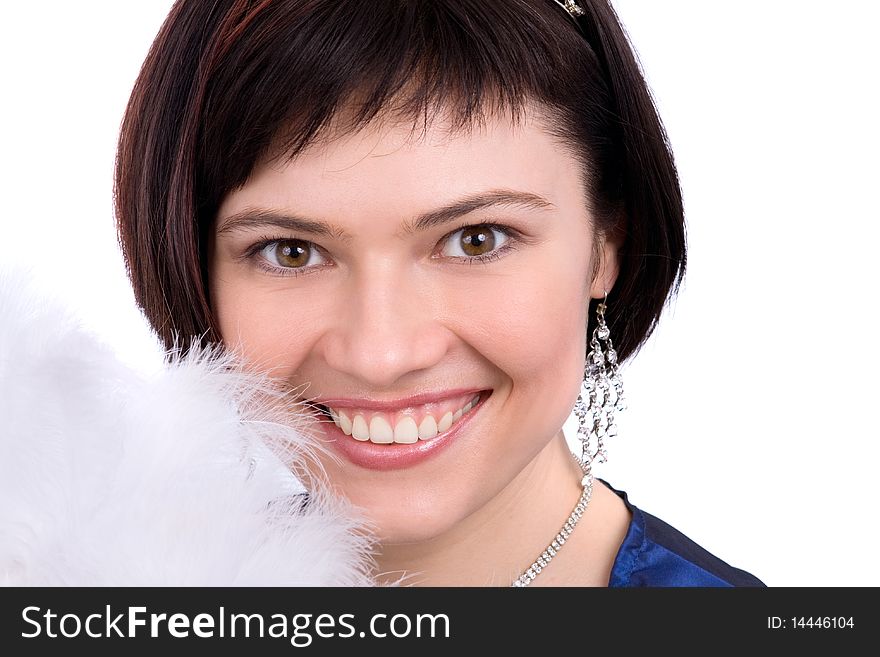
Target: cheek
(269,327)
(534,324)
(532,327)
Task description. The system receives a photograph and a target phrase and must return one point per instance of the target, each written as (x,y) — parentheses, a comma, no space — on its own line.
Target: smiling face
(404,292)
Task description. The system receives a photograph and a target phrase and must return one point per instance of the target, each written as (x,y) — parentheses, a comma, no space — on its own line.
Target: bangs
(287,74)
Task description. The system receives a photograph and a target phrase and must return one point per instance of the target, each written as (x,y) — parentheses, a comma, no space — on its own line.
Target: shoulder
(654,553)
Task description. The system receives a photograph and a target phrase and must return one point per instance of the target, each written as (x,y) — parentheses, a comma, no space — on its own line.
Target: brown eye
(475,241)
(291,254)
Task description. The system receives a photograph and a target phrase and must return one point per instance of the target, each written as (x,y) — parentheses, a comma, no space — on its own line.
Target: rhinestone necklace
(551,550)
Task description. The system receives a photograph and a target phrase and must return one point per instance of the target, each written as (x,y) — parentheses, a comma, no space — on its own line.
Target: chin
(419,521)
(398,531)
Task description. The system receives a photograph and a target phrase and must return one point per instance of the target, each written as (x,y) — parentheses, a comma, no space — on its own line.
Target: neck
(496,543)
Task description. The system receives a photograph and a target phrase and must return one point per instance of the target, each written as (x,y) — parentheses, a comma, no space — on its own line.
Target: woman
(436,298)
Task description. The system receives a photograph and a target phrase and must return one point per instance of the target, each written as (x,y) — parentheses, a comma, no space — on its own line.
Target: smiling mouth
(407,426)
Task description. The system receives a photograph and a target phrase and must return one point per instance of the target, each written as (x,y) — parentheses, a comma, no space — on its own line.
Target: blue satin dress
(656,554)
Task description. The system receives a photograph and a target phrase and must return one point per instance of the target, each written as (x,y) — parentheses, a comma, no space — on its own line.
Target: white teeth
(428,428)
(344,423)
(333,416)
(380,430)
(359,428)
(445,422)
(406,431)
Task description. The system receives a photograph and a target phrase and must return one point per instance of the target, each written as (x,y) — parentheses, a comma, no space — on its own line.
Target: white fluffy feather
(109,477)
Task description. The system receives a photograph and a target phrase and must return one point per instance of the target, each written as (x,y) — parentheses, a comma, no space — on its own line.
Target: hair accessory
(604,392)
(572,10)
(571,7)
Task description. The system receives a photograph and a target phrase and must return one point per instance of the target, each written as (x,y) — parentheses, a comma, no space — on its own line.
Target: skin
(386,314)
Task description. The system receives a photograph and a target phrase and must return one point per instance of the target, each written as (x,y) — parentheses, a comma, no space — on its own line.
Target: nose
(387,325)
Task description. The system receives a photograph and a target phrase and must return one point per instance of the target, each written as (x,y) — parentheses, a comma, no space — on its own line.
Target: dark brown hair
(228,81)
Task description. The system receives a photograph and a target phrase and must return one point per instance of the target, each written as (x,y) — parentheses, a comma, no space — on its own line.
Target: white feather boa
(109,477)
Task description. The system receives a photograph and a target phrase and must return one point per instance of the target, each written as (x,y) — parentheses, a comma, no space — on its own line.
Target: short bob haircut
(228,82)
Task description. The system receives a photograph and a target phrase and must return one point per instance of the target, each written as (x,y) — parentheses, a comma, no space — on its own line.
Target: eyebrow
(260,217)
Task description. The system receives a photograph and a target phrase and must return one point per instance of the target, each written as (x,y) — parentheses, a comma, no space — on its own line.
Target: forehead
(389,168)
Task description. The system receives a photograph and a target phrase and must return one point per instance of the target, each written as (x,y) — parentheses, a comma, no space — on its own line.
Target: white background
(752,414)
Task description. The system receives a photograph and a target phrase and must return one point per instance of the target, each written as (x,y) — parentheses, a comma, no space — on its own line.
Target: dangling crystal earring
(604,393)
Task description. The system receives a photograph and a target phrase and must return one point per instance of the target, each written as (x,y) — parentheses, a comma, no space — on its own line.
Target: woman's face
(384,278)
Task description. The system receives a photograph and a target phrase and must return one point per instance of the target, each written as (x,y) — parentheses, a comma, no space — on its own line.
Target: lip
(394,404)
(396,456)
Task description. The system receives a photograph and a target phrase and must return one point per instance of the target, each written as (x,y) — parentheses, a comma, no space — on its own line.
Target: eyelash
(253,252)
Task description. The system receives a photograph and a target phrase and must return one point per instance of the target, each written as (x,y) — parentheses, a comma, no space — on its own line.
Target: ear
(608,267)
